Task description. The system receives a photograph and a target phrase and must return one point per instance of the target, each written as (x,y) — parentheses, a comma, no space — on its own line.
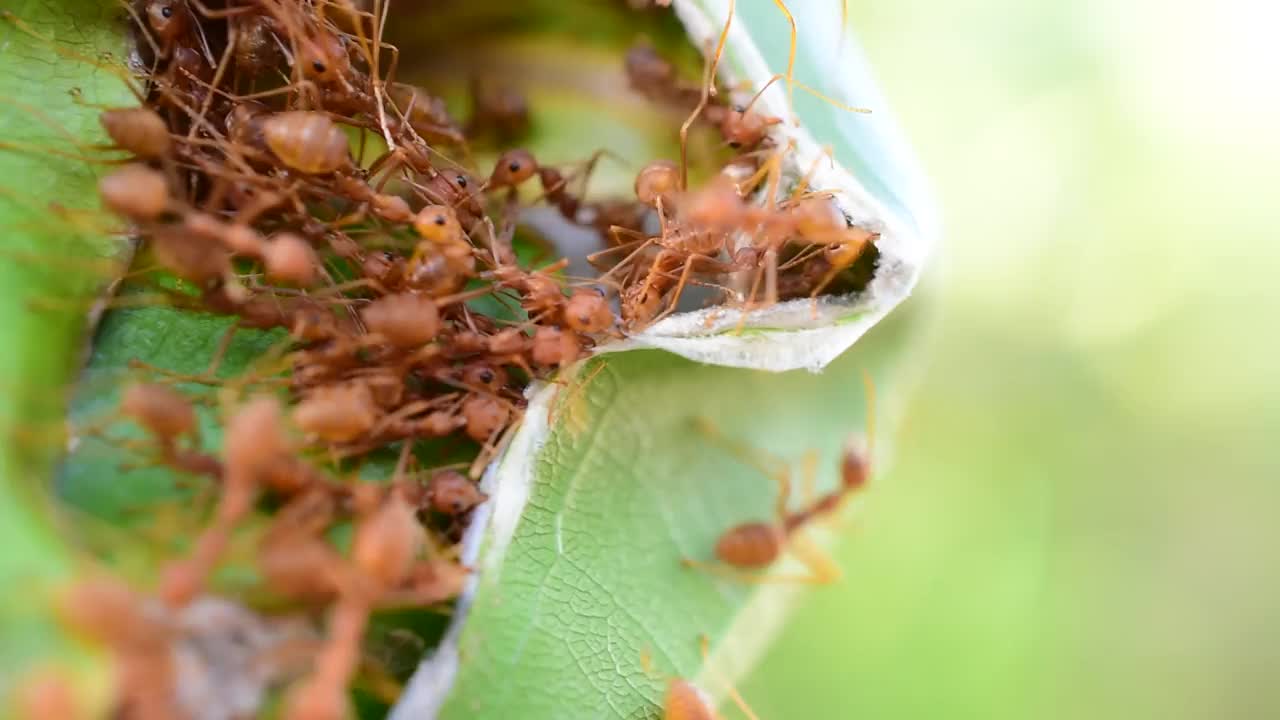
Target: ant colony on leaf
(281,171)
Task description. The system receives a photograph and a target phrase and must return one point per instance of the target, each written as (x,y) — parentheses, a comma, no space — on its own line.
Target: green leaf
(623,489)
(608,485)
(49,239)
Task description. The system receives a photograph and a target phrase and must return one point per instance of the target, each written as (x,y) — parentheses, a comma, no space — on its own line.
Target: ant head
(587,311)
(438,223)
(166,19)
(485,376)
(384,267)
(513,167)
(324,58)
(657,180)
(484,415)
(817,218)
(451,493)
(744,128)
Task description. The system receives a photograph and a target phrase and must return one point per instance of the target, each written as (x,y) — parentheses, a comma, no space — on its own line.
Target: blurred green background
(1079,521)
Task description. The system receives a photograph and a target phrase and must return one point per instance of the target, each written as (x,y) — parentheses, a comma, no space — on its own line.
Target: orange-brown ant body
(755,545)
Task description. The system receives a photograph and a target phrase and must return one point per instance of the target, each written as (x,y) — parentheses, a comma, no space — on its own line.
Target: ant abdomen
(685,701)
(751,545)
(451,493)
(404,320)
(308,142)
(587,311)
(136,192)
(162,411)
(139,130)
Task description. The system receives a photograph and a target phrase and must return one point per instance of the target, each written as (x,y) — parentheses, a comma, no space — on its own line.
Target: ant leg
(729,572)
(704,650)
(48,121)
(118,70)
(708,80)
(802,187)
(145,31)
(822,570)
(625,261)
(749,304)
(584,172)
(674,300)
(212,14)
(394,64)
(770,277)
(791,62)
(209,376)
(41,150)
(389,161)
(770,169)
(767,463)
(594,258)
(809,473)
(380,13)
(559,405)
(807,253)
(869,391)
(684,279)
(589,167)
(217,79)
(849,252)
(494,446)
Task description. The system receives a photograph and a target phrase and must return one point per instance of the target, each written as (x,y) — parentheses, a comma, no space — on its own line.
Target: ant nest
(280,173)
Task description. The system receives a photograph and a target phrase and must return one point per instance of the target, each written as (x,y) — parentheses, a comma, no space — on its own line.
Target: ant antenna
(870,389)
(811,90)
(707,79)
(791,62)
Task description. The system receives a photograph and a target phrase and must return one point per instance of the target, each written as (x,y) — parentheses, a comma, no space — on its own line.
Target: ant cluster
(279,174)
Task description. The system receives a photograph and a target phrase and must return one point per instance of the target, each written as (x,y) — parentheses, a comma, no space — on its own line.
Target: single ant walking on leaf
(746,550)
